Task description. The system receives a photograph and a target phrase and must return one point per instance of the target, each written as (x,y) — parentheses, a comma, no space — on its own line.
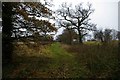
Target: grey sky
(105,15)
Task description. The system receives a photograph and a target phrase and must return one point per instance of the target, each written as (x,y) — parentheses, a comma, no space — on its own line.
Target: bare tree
(107,35)
(114,34)
(77,17)
(103,35)
(118,35)
(98,35)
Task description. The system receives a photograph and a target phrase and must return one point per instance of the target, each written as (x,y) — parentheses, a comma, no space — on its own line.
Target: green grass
(63,61)
(58,52)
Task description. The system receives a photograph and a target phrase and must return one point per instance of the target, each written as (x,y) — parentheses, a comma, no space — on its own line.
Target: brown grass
(63,61)
(100,60)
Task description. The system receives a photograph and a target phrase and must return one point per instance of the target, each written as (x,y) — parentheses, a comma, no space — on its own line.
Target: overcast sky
(105,15)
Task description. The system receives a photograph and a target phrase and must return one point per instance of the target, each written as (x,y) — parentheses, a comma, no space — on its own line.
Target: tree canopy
(23,19)
(26,15)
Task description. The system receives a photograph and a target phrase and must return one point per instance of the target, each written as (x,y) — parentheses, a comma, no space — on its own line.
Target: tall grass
(29,60)
(57,60)
(101,61)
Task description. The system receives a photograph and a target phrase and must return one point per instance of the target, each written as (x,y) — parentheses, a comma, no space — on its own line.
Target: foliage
(26,15)
(68,36)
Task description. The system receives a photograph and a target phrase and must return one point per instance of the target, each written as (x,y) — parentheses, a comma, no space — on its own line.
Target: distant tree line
(103,36)
(106,35)
(76,23)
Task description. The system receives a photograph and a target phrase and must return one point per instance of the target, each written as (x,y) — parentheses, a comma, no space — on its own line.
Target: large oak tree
(77,17)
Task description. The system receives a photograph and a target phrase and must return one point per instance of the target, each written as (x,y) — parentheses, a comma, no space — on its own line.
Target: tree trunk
(7,47)
(70,35)
(102,39)
(80,37)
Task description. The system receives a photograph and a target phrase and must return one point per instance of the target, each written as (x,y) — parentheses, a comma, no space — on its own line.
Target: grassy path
(65,64)
(59,54)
